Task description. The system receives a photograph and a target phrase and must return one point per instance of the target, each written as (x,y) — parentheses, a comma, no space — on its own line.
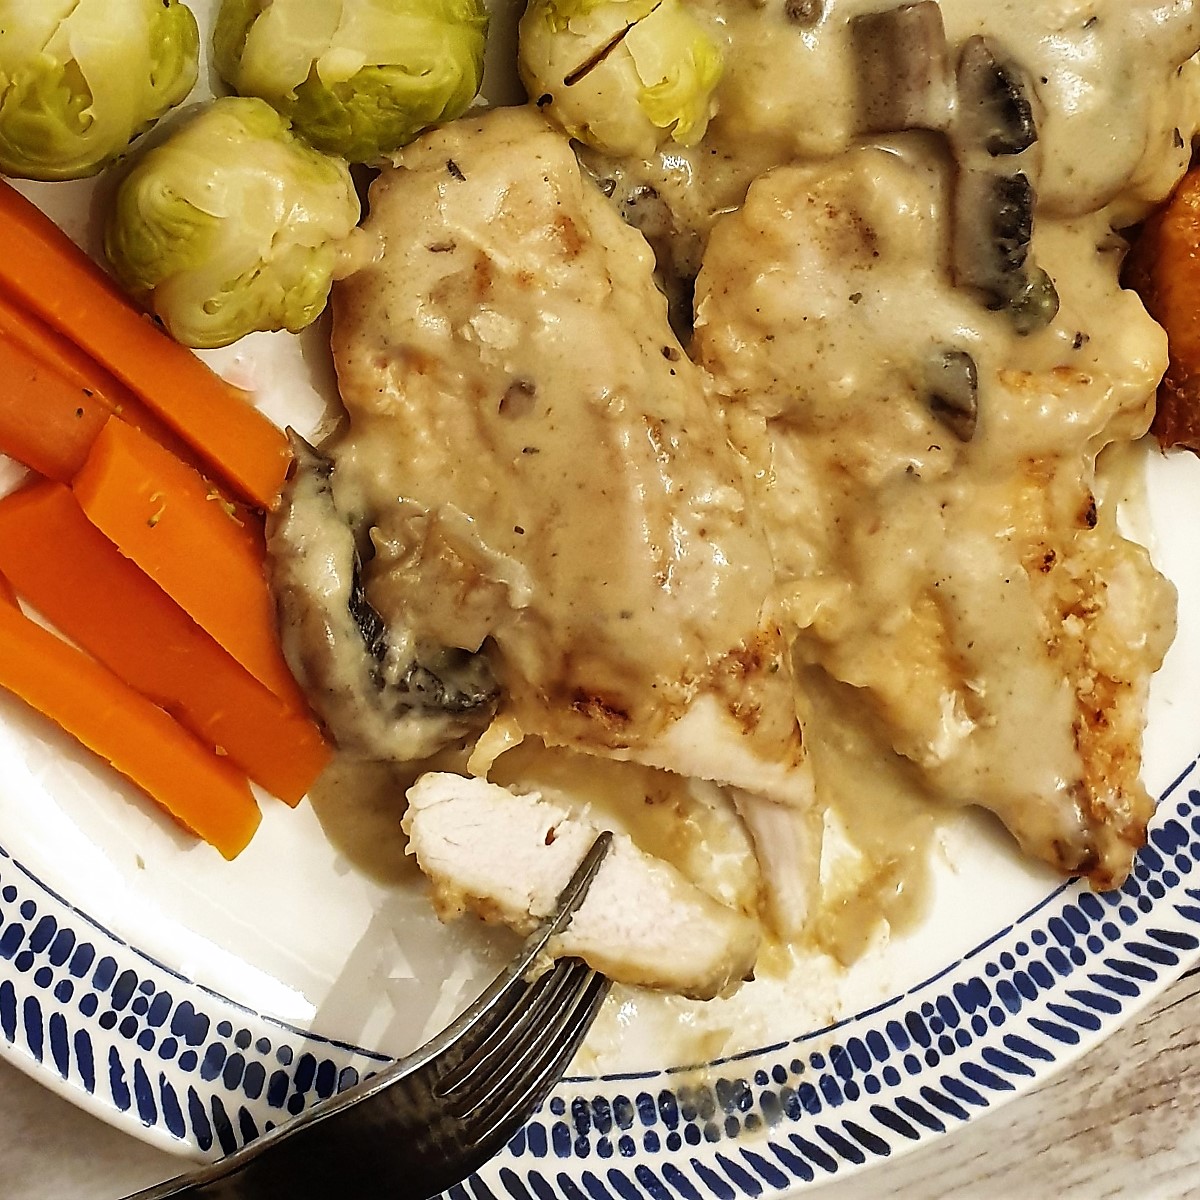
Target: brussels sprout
(358,78)
(620,75)
(231,225)
(80,79)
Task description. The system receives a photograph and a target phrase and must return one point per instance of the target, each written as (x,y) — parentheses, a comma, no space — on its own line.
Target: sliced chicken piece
(787,842)
(507,857)
(937,527)
(691,823)
(544,472)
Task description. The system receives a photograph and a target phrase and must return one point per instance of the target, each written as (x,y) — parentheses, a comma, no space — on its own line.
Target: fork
(431,1119)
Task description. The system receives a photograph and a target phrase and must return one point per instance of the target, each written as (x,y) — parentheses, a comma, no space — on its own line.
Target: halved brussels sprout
(621,75)
(358,78)
(231,225)
(80,79)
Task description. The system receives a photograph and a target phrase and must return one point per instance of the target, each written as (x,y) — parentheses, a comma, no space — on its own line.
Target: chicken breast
(542,472)
(928,477)
(507,857)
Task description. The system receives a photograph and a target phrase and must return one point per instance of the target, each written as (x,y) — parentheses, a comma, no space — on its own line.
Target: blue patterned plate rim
(192,1070)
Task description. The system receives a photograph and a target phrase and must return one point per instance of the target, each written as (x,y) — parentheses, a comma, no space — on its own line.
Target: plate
(197,1003)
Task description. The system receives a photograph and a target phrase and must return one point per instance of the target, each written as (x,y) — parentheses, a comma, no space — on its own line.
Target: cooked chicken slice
(691,823)
(928,480)
(787,842)
(543,472)
(507,858)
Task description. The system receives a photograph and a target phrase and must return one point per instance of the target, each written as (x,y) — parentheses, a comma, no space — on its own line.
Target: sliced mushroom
(1037,303)
(905,78)
(805,14)
(678,247)
(382,692)
(993,228)
(993,136)
(995,101)
(952,391)
(992,234)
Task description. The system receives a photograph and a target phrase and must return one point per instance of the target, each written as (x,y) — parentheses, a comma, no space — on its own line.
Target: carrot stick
(76,578)
(46,272)
(142,742)
(30,338)
(46,422)
(208,559)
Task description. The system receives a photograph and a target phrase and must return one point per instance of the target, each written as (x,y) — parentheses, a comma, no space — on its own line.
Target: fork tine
(521,1099)
(503,1073)
(393,1127)
(510,986)
(507,1035)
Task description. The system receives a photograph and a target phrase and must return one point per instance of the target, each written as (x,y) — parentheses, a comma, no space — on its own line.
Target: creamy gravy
(545,470)
(998,634)
(505,400)
(1115,98)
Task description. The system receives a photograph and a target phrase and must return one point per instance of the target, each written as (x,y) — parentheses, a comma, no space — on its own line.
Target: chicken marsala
(535,475)
(867,491)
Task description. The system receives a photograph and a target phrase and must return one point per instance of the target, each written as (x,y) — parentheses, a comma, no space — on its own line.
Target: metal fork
(429,1120)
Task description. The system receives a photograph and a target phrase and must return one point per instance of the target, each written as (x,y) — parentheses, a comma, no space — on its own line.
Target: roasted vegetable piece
(46,421)
(200,790)
(76,578)
(80,79)
(45,273)
(624,76)
(358,78)
(1164,269)
(231,225)
(56,399)
(206,554)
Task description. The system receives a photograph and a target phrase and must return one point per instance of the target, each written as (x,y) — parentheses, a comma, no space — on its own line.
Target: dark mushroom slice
(993,228)
(995,197)
(995,101)
(382,692)
(905,77)
(677,247)
(952,392)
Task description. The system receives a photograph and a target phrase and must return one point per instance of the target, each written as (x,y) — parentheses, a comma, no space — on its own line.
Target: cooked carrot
(200,790)
(29,337)
(46,272)
(206,556)
(46,422)
(76,578)
(7,595)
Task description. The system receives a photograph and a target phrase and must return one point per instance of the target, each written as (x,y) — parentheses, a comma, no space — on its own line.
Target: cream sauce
(541,467)
(547,475)
(956,586)
(1116,111)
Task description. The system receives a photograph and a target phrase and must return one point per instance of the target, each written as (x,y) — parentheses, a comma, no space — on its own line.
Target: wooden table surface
(1123,1122)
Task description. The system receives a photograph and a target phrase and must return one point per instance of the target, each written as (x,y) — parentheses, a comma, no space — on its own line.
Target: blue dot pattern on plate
(198,1068)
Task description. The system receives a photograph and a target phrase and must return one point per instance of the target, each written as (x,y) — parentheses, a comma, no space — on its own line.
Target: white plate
(197,1003)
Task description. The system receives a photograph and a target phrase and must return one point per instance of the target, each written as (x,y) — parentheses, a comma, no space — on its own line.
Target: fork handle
(336,1154)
